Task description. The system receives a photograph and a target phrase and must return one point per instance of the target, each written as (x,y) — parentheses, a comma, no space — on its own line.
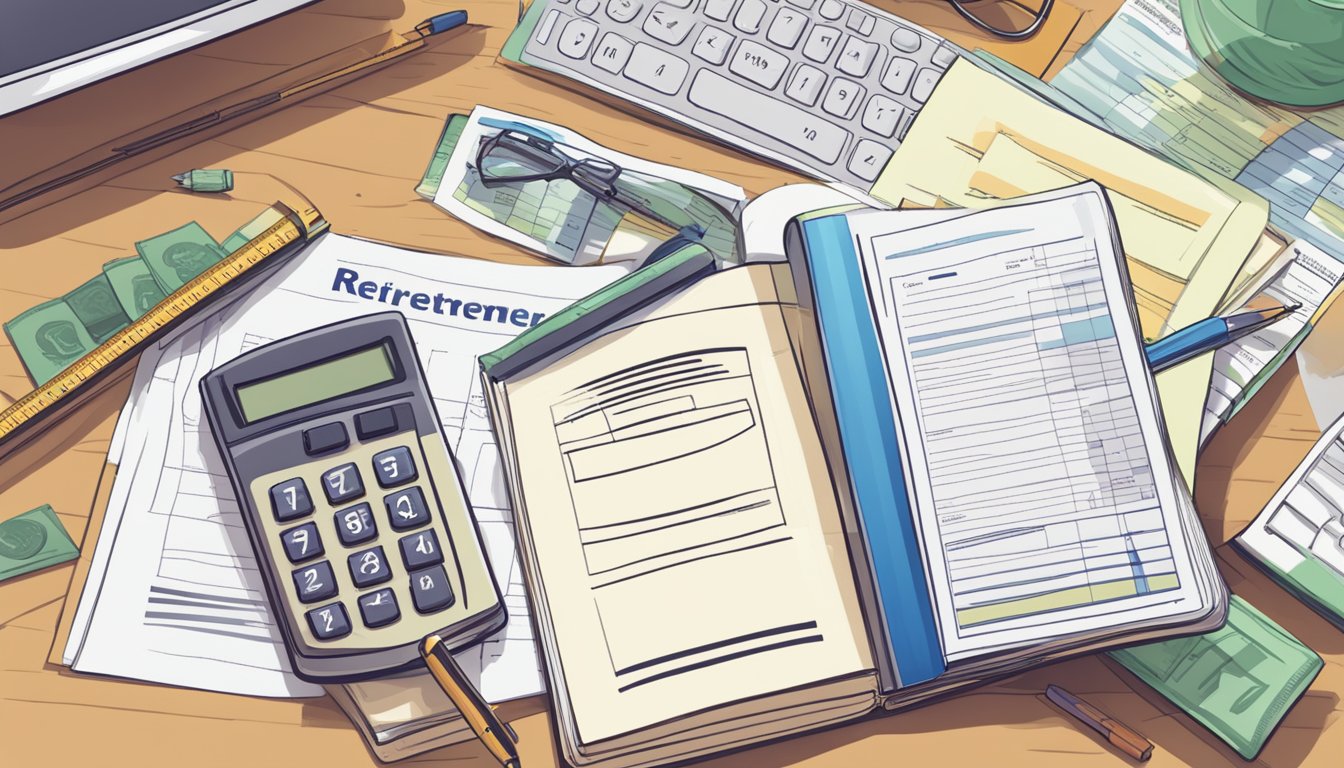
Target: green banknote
(32,541)
(134,285)
(251,229)
(1238,682)
(177,256)
(48,338)
(438,162)
(97,307)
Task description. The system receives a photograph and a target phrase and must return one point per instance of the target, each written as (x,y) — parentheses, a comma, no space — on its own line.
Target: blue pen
(1210,334)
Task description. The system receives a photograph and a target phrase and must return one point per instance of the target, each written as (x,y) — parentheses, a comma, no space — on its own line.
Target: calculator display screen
(332,378)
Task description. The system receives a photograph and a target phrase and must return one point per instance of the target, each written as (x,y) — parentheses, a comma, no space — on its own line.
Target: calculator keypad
(394,467)
(302,543)
(355,525)
(406,509)
(430,590)
(369,567)
(342,483)
(316,582)
(420,550)
(290,500)
(329,622)
(378,609)
(416,566)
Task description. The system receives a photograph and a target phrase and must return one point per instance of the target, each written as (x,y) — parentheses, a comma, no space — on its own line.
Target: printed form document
(1044,493)
(174,594)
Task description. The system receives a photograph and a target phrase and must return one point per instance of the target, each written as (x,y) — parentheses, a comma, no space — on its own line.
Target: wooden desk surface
(357,152)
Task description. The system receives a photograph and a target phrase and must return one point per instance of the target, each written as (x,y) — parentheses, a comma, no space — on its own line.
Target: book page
(680,515)
(1043,491)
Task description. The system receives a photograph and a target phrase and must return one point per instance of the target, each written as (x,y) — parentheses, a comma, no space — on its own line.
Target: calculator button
(329,622)
(355,525)
(302,543)
(325,438)
(394,467)
(420,549)
(316,582)
(430,590)
(342,483)
(406,509)
(378,609)
(290,500)
(369,567)
(375,423)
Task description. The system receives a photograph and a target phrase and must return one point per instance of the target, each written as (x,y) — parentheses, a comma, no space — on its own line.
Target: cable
(1022,34)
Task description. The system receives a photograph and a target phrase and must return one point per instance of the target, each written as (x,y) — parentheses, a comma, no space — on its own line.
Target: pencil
(1121,736)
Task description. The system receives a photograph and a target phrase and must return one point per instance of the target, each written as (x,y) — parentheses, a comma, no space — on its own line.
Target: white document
(1310,280)
(1046,500)
(174,595)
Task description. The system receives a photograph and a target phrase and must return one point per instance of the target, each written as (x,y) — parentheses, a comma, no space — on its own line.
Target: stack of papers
(174,594)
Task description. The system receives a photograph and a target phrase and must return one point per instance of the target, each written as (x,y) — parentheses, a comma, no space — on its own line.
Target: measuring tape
(282,238)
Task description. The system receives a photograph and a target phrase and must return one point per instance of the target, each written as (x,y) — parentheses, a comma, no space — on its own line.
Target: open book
(924,453)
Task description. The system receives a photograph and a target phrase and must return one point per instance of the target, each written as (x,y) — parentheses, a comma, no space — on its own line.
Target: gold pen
(497,736)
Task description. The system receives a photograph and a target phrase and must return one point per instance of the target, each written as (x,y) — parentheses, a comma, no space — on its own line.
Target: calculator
(351,499)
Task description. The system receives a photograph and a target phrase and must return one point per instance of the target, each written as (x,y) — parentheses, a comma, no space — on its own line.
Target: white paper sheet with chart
(174,595)
(1046,501)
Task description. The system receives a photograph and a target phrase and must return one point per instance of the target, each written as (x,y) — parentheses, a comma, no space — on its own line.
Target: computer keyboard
(823,86)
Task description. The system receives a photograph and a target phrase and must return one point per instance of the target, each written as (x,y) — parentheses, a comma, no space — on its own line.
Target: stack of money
(1238,682)
(32,541)
(54,334)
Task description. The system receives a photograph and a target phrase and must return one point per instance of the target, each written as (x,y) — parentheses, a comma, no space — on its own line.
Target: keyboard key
(859,21)
(842,97)
(342,483)
(719,10)
(420,550)
(624,10)
(355,525)
(831,9)
(882,115)
(612,52)
(680,3)
(787,28)
(820,42)
(544,30)
(804,4)
(856,58)
(868,160)
(713,45)
(290,500)
(943,57)
(805,85)
(430,590)
(657,69)
(748,18)
(302,543)
(577,38)
(897,77)
(759,64)
(316,582)
(586,7)
(406,509)
(924,82)
(375,423)
(325,438)
(378,609)
(394,467)
(668,24)
(907,40)
(329,622)
(368,567)
(796,127)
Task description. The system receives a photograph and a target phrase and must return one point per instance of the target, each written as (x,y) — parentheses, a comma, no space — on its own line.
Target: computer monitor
(50,47)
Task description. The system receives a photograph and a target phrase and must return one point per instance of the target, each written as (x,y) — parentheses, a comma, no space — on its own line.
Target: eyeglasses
(516,157)
(1005,19)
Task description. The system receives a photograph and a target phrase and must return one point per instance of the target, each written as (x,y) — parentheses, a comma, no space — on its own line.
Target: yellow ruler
(90,373)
